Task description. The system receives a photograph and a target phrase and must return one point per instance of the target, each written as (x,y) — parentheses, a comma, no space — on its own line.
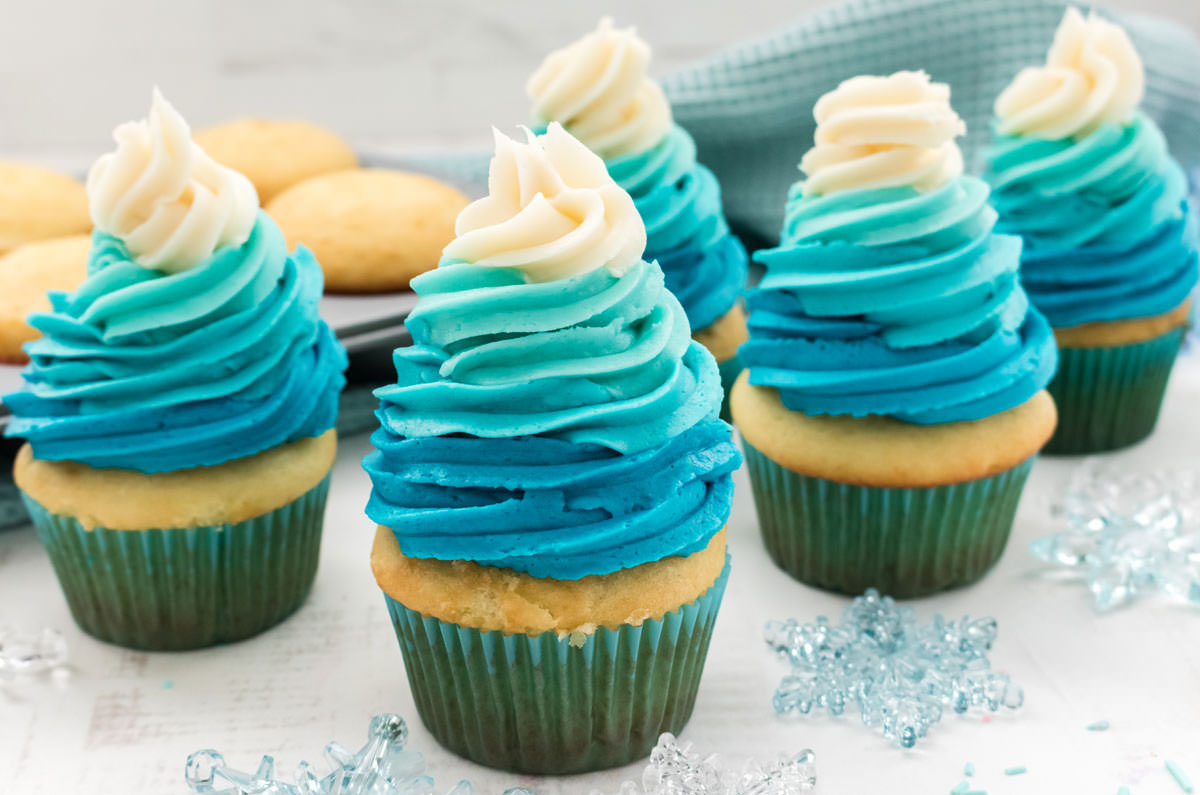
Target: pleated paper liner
(1109,398)
(544,705)
(186,588)
(905,542)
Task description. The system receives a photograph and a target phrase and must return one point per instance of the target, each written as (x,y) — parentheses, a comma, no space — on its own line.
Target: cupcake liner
(546,705)
(729,371)
(184,588)
(905,542)
(1109,398)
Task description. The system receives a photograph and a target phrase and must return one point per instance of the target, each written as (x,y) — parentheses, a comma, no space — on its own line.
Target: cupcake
(599,90)
(178,407)
(1110,246)
(894,396)
(551,481)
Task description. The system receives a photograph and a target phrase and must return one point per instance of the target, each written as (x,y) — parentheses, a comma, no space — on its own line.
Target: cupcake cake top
(159,193)
(1085,179)
(553,415)
(882,132)
(890,293)
(1092,76)
(598,88)
(195,338)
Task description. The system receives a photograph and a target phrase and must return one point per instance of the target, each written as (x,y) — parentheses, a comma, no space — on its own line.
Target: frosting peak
(599,89)
(1092,76)
(884,132)
(552,211)
(170,203)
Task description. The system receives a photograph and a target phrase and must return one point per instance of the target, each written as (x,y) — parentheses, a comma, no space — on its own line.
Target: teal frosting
(686,231)
(1108,235)
(140,369)
(896,302)
(560,428)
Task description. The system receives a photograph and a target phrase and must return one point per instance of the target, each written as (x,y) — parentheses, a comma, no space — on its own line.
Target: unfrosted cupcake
(551,480)
(599,90)
(893,401)
(1110,246)
(179,406)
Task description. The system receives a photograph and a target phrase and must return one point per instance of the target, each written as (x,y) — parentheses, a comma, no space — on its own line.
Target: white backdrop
(420,74)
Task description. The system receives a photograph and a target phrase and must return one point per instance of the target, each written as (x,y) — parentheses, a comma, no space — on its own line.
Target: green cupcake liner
(729,369)
(543,705)
(1109,398)
(185,588)
(905,542)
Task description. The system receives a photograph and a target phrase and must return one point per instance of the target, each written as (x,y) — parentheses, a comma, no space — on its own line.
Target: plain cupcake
(551,480)
(599,89)
(27,275)
(894,397)
(37,203)
(178,408)
(1085,179)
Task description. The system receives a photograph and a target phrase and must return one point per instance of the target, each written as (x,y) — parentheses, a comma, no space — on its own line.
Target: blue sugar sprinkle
(168,684)
(1098,726)
(1015,770)
(1180,777)
(1123,791)
(962,787)
(969,769)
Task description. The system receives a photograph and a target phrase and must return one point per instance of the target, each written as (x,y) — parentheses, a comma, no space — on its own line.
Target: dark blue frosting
(140,369)
(896,302)
(1108,235)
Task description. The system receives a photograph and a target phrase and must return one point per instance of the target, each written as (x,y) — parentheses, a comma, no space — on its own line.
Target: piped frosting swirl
(558,426)
(1092,76)
(598,88)
(169,202)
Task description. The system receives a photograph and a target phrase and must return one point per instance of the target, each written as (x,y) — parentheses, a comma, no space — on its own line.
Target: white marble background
(410,74)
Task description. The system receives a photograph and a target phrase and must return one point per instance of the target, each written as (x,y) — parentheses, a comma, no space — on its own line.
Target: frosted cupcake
(551,480)
(599,90)
(893,401)
(179,406)
(1110,247)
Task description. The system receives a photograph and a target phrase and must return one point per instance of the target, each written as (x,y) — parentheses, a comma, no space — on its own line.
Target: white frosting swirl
(552,211)
(169,202)
(882,132)
(1092,76)
(598,89)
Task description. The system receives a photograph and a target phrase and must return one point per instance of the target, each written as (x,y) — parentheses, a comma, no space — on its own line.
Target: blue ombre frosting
(140,369)
(560,428)
(1108,235)
(898,302)
(686,232)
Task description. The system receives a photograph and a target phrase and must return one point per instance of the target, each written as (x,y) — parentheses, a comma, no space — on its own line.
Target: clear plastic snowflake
(25,653)
(384,766)
(675,769)
(1129,534)
(901,675)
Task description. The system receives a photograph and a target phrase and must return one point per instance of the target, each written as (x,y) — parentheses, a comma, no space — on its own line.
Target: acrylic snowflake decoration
(674,769)
(24,653)
(384,766)
(1129,534)
(901,675)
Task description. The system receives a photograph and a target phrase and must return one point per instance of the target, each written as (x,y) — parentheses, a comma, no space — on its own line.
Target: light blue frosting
(1105,220)
(560,428)
(140,369)
(896,302)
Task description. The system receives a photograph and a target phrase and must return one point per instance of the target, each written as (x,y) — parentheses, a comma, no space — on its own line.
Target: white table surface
(125,721)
